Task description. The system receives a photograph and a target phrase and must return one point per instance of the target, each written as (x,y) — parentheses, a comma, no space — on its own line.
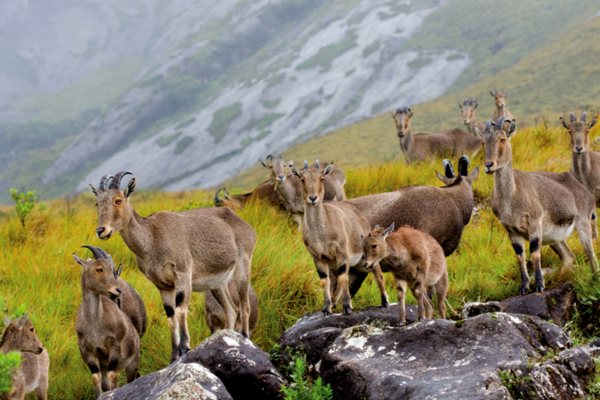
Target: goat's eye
(99,270)
(31,329)
(502,140)
(374,246)
(118,202)
(303,180)
(96,204)
(322,179)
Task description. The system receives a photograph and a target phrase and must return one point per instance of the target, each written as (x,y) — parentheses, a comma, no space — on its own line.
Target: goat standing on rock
(540,207)
(331,233)
(183,252)
(415,259)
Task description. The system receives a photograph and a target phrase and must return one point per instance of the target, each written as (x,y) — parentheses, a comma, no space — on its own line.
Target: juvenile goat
(422,147)
(108,341)
(585,166)
(264,192)
(289,186)
(468,108)
(500,101)
(32,374)
(197,250)
(442,212)
(331,233)
(415,259)
(540,207)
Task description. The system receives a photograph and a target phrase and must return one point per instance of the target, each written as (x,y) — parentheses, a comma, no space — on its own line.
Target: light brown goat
(415,259)
(264,192)
(289,186)
(585,166)
(107,340)
(331,233)
(500,101)
(540,207)
(468,108)
(197,250)
(422,147)
(32,374)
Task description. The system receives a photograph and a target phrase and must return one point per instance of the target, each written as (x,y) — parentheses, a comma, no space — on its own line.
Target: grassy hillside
(551,82)
(39,272)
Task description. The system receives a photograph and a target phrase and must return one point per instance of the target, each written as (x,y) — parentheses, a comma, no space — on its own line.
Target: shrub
(302,388)
(25,204)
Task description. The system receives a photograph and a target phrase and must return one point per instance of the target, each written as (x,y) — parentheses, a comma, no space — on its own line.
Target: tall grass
(37,268)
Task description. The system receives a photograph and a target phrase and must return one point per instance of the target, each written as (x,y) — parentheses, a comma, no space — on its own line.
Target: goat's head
(276,167)
(313,189)
(20,335)
(402,118)
(99,275)
(114,210)
(374,246)
(579,132)
(468,110)
(496,140)
(450,177)
(499,97)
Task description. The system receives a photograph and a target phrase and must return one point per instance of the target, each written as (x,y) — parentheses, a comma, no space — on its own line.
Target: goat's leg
(94,365)
(131,370)
(401,288)
(427,303)
(380,280)
(323,271)
(183,289)
(535,252)
(105,382)
(168,299)
(343,283)
(584,230)
(243,287)
(114,356)
(356,280)
(518,244)
(564,252)
(419,292)
(441,291)
(223,296)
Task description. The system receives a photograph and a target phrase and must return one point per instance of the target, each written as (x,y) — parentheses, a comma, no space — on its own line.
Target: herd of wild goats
(210,249)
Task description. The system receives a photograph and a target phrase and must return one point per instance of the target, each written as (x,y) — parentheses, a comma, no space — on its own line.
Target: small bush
(302,388)
(25,204)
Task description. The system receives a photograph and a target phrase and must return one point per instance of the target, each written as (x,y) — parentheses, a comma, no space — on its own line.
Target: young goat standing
(540,207)
(331,233)
(182,252)
(107,339)
(415,259)
(586,164)
(32,374)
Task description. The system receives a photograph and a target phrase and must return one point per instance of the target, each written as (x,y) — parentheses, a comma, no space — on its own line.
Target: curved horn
(488,125)
(448,170)
(217,199)
(573,118)
(305,164)
(226,194)
(103,181)
(116,182)
(95,251)
(399,110)
(463,165)
(280,157)
(501,121)
(270,157)
(584,117)
(317,164)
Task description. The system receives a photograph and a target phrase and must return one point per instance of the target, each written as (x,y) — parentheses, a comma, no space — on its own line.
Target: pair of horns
(500,123)
(272,157)
(583,119)
(496,91)
(402,110)
(98,252)
(116,180)
(463,167)
(225,192)
(306,164)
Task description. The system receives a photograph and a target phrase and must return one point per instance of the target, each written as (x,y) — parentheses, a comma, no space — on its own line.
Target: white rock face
(367,76)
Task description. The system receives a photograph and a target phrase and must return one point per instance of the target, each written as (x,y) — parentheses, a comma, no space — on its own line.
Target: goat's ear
(289,165)
(295,172)
(393,114)
(475,106)
(94,190)
(119,271)
(460,106)
(506,93)
(511,128)
(328,170)
(492,93)
(23,320)
(442,178)
(6,320)
(389,230)
(479,133)
(263,163)
(592,122)
(474,173)
(79,260)
(564,123)
(130,187)
(409,114)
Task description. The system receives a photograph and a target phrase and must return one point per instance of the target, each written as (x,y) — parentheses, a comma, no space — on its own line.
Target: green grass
(38,269)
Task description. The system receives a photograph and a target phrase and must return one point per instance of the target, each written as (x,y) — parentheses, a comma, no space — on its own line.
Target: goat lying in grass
(32,374)
(415,259)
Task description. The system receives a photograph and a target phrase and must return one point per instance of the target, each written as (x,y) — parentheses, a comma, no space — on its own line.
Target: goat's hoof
(401,323)
(420,319)
(347,310)
(183,350)
(523,291)
(326,313)
(384,302)
(539,287)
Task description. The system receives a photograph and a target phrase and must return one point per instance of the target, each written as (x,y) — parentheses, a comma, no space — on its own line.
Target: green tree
(25,204)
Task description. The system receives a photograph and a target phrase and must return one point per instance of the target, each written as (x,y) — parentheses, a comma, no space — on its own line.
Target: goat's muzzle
(313,200)
(100,231)
(400,134)
(40,350)
(465,122)
(281,178)
(366,266)
(117,295)
(488,168)
(579,150)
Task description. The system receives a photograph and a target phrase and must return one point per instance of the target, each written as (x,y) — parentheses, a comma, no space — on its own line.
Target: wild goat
(289,186)
(197,250)
(331,233)
(414,258)
(264,192)
(586,164)
(500,101)
(540,207)
(32,375)
(215,314)
(468,108)
(443,212)
(108,341)
(425,146)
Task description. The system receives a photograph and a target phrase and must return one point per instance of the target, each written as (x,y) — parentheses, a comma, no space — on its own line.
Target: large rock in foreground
(178,381)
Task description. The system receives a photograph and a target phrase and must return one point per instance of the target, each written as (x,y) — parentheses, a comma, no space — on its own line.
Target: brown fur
(468,116)
(331,233)
(586,164)
(500,102)
(540,207)
(215,314)
(415,259)
(422,147)
(289,186)
(32,375)
(264,192)
(107,339)
(183,252)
